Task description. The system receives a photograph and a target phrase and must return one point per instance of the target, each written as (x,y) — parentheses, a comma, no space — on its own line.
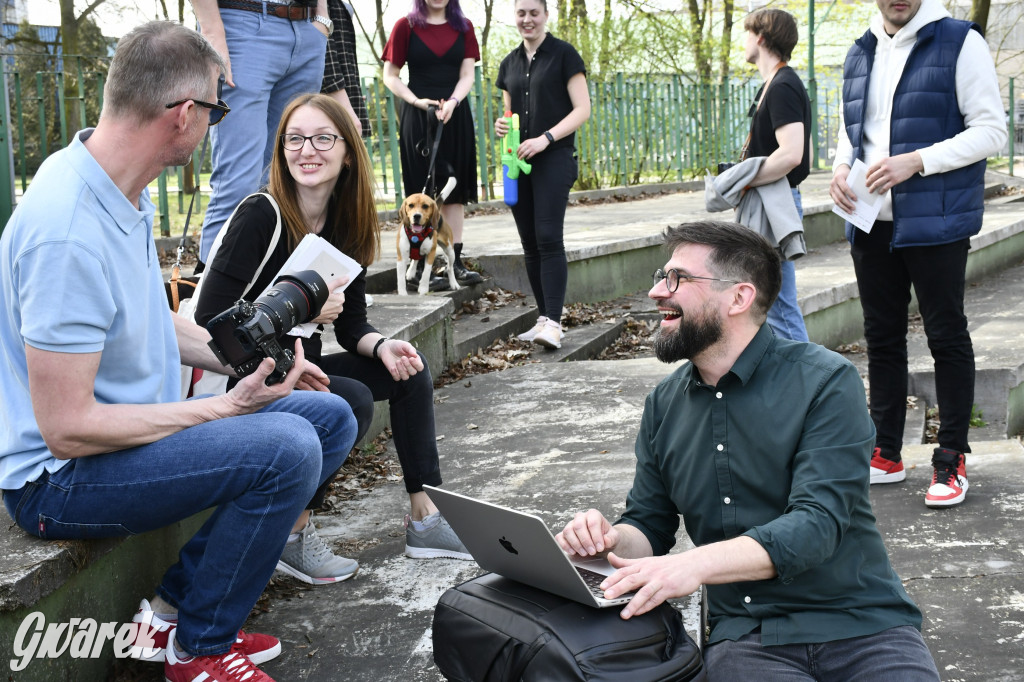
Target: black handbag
(491,629)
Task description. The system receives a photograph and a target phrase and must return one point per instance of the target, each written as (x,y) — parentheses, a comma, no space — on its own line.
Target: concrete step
(518,436)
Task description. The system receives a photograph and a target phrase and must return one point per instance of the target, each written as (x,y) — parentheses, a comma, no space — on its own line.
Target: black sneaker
(439,283)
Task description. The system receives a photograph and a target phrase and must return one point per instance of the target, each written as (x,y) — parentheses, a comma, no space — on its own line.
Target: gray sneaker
(438,541)
(310,560)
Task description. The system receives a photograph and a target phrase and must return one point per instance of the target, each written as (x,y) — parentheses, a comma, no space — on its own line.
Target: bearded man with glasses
(762,445)
(96,441)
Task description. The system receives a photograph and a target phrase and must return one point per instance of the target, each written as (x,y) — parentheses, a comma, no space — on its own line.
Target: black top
(538,89)
(786,102)
(245,243)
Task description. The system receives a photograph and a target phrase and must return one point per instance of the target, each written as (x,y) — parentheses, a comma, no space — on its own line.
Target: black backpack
(491,629)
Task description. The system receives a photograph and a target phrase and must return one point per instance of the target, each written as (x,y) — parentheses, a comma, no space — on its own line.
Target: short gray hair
(155,64)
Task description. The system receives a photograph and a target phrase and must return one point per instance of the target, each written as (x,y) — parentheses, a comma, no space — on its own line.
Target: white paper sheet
(316,253)
(867,206)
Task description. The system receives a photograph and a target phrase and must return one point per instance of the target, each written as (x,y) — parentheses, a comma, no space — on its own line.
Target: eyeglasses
(323,142)
(674,277)
(217,111)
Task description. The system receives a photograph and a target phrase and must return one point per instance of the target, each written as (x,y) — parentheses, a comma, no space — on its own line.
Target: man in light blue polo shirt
(94,441)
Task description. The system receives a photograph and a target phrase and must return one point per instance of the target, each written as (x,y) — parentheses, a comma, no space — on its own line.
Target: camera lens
(293,299)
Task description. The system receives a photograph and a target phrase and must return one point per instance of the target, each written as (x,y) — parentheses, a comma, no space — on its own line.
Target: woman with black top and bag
(320,177)
(544,81)
(437,42)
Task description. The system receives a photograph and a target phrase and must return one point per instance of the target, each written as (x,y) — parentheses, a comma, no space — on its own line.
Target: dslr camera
(725,165)
(249,331)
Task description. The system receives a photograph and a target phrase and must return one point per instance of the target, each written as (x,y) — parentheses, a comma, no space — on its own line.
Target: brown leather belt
(289,12)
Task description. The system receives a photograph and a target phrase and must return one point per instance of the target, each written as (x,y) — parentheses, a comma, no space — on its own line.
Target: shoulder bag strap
(274,239)
(745,151)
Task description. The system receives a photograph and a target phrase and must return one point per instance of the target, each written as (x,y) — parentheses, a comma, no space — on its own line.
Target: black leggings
(411,407)
(540,219)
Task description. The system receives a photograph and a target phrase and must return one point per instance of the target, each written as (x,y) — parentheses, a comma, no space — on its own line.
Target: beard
(691,337)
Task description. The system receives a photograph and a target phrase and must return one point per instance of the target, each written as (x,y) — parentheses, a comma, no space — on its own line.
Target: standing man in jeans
(94,439)
(273,51)
(922,110)
(780,129)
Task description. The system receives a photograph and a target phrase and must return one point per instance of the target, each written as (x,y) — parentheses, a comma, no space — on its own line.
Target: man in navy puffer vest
(922,110)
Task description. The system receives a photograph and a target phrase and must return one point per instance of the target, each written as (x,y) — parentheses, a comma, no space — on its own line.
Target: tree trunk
(723,70)
(700,55)
(979,13)
(70,47)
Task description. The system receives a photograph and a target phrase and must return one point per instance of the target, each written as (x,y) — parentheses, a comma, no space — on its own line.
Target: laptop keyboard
(593,579)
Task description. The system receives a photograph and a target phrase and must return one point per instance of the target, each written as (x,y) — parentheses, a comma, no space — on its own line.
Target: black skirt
(456,155)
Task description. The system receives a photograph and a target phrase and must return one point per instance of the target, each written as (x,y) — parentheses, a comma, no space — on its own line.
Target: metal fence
(643,129)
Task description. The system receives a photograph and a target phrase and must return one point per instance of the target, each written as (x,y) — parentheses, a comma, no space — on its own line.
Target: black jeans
(540,219)
(937,273)
(412,412)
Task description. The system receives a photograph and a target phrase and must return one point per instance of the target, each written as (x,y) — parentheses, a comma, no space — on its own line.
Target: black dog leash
(429,185)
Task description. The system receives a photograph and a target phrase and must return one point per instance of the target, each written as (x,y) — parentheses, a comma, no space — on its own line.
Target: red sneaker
(229,667)
(949,479)
(885,470)
(151,640)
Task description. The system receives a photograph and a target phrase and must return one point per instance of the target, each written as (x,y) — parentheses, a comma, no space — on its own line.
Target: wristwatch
(326,21)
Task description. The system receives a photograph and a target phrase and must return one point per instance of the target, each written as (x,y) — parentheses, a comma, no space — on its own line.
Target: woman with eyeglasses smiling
(321,179)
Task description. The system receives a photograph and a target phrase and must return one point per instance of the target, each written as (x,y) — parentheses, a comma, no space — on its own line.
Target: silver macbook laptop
(519,546)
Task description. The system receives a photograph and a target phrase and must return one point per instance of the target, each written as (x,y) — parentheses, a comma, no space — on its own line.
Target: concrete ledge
(98,579)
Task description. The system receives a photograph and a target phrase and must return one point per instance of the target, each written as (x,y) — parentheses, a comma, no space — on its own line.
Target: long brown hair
(355,228)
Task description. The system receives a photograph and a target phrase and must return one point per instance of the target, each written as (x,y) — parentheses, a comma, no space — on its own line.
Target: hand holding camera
(248,332)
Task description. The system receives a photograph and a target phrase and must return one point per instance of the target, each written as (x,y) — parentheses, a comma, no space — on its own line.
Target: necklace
(316,226)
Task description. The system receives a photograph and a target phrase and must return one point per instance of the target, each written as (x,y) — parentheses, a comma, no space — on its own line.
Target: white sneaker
(532,332)
(550,336)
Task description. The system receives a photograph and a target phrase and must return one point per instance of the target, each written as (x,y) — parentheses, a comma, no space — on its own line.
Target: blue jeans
(785,316)
(273,60)
(895,655)
(259,471)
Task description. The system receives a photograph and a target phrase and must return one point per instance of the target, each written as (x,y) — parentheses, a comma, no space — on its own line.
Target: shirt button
(746,599)
(719,395)
(721,447)
(727,500)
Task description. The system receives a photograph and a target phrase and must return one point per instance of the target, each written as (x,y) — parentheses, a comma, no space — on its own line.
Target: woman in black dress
(439,46)
(544,81)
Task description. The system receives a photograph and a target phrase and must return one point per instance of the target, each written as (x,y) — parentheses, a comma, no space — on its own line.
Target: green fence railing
(643,129)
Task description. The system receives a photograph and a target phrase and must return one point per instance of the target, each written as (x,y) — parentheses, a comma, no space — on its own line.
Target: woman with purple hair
(437,42)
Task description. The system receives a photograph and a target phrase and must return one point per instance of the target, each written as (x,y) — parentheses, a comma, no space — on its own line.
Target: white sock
(427,523)
(293,537)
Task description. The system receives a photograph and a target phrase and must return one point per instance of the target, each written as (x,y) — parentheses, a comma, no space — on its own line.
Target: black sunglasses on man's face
(217,111)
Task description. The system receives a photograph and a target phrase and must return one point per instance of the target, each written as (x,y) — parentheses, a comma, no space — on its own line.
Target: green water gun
(511,164)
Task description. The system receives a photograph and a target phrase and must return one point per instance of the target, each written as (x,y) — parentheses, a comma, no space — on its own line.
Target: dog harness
(416,238)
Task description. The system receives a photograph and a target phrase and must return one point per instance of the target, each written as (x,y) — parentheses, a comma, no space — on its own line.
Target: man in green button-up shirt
(763,446)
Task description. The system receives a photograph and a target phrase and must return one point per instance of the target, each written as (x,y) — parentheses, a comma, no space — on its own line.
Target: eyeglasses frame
(660,275)
(309,138)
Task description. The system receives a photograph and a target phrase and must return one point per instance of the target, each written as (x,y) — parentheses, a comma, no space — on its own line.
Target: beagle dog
(422,232)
